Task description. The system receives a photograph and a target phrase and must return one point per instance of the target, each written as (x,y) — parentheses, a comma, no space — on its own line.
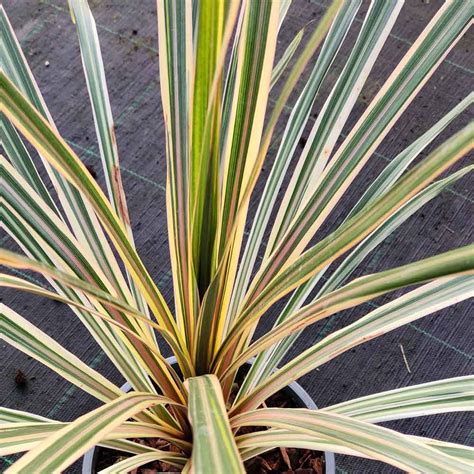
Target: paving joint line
(73,388)
(91,152)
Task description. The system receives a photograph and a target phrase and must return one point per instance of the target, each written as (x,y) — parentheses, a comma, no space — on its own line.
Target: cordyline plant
(217,67)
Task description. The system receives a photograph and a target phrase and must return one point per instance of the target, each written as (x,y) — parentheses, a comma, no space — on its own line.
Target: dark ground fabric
(436,347)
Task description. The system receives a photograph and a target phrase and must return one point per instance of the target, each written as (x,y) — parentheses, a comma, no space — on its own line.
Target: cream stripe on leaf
(331,119)
(60,155)
(32,244)
(347,235)
(293,131)
(18,155)
(286,58)
(77,210)
(96,296)
(21,437)
(214,448)
(243,120)
(130,464)
(268,361)
(414,305)
(175,42)
(105,128)
(19,332)
(443,396)
(143,352)
(364,289)
(68,444)
(255,444)
(412,73)
(379,443)
(40,233)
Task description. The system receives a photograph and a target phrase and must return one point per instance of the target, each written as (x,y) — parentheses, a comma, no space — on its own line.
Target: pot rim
(330,461)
